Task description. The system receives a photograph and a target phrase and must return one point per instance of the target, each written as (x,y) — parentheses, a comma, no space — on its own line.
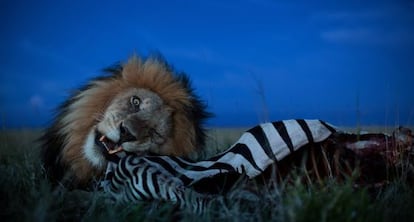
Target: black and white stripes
(169,178)
(137,178)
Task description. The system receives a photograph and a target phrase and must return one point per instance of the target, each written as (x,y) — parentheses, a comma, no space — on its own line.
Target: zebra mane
(132,178)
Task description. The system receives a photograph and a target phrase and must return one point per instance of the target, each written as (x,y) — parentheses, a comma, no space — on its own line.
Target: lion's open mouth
(106,144)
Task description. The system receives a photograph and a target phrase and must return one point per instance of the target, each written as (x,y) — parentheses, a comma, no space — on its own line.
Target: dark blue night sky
(348,63)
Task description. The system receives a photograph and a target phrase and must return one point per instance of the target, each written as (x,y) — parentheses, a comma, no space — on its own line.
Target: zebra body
(135,179)
(169,178)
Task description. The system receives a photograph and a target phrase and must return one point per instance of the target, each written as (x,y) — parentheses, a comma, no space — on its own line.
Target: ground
(26,195)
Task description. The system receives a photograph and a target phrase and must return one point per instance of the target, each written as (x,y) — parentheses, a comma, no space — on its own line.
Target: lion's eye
(135,101)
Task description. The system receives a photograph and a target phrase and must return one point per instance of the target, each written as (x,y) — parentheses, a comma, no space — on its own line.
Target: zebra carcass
(269,152)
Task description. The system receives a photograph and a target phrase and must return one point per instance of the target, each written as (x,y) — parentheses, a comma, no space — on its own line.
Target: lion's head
(142,106)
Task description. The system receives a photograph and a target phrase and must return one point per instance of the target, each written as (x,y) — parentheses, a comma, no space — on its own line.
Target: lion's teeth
(106,147)
(102,138)
(118,149)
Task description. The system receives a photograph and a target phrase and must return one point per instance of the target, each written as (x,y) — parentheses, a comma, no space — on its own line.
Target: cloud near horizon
(387,25)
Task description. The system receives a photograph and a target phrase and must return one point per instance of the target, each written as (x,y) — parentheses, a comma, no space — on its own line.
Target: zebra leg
(269,143)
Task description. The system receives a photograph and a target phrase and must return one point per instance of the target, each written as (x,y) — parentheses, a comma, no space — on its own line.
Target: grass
(26,195)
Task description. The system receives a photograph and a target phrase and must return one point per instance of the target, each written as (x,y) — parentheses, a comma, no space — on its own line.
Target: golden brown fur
(63,142)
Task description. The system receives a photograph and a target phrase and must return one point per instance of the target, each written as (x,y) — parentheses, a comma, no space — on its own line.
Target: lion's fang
(118,149)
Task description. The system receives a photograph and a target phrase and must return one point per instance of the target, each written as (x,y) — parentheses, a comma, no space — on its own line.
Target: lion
(141,106)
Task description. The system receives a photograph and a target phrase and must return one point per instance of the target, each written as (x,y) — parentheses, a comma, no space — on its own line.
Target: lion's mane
(62,142)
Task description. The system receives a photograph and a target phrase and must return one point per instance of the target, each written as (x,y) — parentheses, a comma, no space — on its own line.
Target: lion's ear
(131,68)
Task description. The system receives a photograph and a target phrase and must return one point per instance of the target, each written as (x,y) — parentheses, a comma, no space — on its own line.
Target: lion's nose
(125,134)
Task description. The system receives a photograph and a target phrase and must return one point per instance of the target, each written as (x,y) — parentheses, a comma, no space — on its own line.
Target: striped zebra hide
(269,151)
